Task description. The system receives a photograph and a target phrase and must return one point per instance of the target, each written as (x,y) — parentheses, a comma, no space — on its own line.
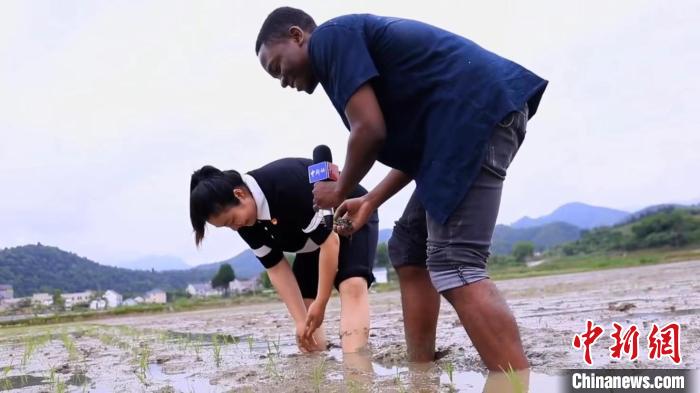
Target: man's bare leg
(421,305)
(490,325)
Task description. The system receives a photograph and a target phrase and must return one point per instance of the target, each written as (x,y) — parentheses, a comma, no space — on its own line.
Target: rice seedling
(398,383)
(449,369)
(6,370)
(179,343)
(353,386)
(30,346)
(272,368)
(69,345)
(197,345)
(269,348)
(52,375)
(59,386)
(109,340)
(318,374)
(90,331)
(129,331)
(216,352)
(277,345)
(105,339)
(142,359)
(250,344)
(6,382)
(514,379)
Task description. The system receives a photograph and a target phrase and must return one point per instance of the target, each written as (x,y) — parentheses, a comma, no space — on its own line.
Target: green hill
(577,214)
(542,237)
(671,227)
(37,268)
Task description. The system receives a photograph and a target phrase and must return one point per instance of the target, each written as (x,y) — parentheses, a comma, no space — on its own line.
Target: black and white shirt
(286,217)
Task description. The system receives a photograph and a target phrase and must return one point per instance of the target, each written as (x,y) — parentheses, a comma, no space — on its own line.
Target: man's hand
(314,318)
(356,211)
(327,195)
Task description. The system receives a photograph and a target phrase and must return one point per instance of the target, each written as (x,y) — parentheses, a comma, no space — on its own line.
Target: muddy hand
(314,319)
(305,346)
(352,215)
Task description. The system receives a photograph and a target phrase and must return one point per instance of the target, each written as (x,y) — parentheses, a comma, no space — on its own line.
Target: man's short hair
(277,24)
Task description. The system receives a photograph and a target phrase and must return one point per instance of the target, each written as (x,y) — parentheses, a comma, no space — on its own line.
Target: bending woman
(272,210)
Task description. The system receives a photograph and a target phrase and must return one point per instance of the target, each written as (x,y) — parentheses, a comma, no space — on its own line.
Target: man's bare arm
(367,135)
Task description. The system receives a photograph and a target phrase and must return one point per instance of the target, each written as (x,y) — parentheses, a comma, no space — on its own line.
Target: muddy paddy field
(251,348)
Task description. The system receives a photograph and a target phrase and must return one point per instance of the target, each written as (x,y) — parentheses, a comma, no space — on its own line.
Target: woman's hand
(314,318)
(305,346)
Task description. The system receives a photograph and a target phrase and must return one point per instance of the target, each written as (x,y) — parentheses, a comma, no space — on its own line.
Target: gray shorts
(455,253)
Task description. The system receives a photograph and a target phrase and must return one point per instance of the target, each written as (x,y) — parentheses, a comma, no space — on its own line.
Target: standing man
(437,109)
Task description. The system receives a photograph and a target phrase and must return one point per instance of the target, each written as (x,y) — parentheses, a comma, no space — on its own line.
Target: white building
(43,299)
(72,299)
(155,296)
(202,290)
(6,292)
(113,298)
(98,304)
(14,301)
(129,302)
(244,286)
(381,275)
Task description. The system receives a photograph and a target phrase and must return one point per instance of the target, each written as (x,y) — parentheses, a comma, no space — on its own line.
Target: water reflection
(358,372)
(361,374)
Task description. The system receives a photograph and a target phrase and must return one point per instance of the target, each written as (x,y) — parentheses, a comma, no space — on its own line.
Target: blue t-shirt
(441,96)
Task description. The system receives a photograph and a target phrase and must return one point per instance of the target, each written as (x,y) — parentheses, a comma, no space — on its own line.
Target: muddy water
(251,348)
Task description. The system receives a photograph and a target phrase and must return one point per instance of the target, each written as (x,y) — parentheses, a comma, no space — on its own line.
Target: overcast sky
(106,108)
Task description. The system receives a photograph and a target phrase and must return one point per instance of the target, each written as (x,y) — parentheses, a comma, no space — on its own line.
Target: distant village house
(6,292)
(157,296)
(113,298)
(202,290)
(98,304)
(238,287)
(76,298)
(132,302)
(42,299)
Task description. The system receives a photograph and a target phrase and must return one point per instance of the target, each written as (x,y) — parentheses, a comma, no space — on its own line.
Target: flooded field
(251,348)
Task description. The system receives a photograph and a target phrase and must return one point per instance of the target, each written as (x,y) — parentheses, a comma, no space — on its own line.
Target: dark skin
(288,60)
(481,309)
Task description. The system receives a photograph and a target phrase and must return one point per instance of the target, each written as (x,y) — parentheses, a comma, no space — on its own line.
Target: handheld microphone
(321,171)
